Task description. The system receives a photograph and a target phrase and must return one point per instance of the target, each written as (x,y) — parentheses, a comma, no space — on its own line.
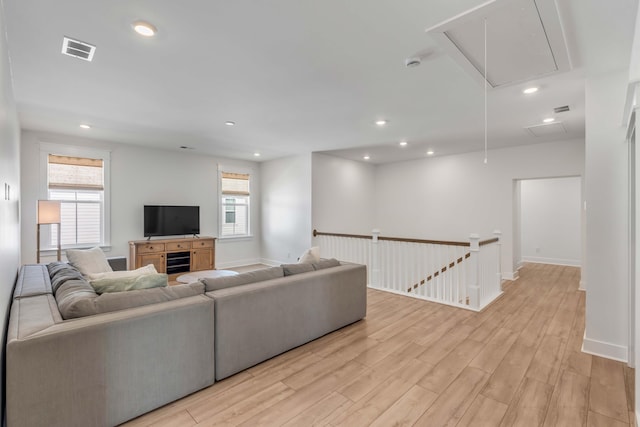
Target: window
(78,179)
(234,188)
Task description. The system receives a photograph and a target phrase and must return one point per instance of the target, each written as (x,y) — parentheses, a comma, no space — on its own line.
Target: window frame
(222,205)
(77,151)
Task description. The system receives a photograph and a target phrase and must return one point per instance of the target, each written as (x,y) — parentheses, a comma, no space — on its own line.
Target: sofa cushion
(291,269)
(129,283)
(326,263)
(77,298)
(88,261)
(33,280)
(213,284)
(60,272)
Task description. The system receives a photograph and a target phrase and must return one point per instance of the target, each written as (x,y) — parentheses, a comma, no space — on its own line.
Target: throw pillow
(88,261)
(310,256)
(122,284)
(147,269)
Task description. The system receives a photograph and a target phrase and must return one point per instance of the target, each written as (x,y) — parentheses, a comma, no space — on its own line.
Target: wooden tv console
(174,256)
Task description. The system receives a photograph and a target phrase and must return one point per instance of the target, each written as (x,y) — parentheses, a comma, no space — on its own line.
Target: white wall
(551,218)
(606,183)
(9,203)
(286,204)
(142,176)
(343,195)
(450,197)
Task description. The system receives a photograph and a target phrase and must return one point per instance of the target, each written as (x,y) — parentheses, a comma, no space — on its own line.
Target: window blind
(75,173)
(236,184)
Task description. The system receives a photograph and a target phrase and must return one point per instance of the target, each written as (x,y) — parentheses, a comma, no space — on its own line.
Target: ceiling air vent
(562,109)
(78,49)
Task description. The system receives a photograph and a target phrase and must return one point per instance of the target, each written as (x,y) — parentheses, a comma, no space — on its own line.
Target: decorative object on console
(48,213)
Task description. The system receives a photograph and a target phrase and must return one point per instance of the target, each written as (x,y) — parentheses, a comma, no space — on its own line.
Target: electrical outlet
(289,255)
(537,250)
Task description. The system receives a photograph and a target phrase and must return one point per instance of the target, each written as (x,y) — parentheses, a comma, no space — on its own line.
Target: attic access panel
(524,40)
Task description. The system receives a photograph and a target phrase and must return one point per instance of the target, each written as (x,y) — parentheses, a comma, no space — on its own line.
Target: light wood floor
(411,362)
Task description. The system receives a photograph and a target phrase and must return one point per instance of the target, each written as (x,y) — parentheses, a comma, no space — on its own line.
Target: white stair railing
(462,274)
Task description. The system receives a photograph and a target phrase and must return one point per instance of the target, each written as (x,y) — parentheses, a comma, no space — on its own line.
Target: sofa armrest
(109,368)
(118,263)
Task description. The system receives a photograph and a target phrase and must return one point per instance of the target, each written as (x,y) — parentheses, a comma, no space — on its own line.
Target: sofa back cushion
(291,269)
(60,272)
(214,284)
(326,263)
(77,298)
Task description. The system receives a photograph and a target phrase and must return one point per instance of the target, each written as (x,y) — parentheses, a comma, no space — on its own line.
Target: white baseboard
(553,261)
(510,275)
(238,263)
(605,349)
(271,262)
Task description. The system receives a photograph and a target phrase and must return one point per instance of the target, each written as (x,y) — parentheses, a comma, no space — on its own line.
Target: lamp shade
(48,212)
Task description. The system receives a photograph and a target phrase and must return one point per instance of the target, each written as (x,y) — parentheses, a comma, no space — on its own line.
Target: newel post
(375,260)
(474,278)
(498,234)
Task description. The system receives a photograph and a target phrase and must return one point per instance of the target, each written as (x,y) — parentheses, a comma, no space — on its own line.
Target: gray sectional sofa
(104,359)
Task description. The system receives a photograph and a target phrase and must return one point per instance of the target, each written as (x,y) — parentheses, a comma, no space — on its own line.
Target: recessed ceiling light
(403,143)
(430,153)
(548,120)
(230,123)
(381,122)
(530,90)
(256,154)
(83,126)
(366,157)
(144,28)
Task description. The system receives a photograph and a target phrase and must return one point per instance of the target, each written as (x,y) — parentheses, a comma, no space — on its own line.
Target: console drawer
(150,247)
(178,246)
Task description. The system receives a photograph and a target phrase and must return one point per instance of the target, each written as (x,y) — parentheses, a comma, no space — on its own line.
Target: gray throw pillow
(214,284)
(291,269)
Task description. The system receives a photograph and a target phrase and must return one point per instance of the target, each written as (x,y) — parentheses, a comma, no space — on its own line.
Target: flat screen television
(171,220)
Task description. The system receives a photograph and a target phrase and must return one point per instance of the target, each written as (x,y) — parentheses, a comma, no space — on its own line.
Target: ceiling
(294,75)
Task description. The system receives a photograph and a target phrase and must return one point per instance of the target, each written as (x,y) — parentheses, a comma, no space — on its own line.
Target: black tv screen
(171,220)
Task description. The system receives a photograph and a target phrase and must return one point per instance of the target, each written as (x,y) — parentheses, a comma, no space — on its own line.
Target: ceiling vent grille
(78,49)
(562,109)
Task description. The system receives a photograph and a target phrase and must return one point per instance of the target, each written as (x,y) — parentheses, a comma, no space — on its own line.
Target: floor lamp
(48,213)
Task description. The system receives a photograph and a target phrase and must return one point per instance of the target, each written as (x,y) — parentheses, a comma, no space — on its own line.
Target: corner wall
(606,186)
(10,197)
(286,208)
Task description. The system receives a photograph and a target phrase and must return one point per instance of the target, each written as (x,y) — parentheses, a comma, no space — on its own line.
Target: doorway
(549,223)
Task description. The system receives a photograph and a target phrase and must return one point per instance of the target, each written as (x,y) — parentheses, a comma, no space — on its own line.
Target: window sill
(53,251)
(234,238)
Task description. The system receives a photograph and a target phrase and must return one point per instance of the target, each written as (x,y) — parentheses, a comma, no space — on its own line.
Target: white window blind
(78,183)
(235,204)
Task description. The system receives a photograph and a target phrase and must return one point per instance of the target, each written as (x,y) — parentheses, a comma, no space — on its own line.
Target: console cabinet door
(202,259)
(158,261)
